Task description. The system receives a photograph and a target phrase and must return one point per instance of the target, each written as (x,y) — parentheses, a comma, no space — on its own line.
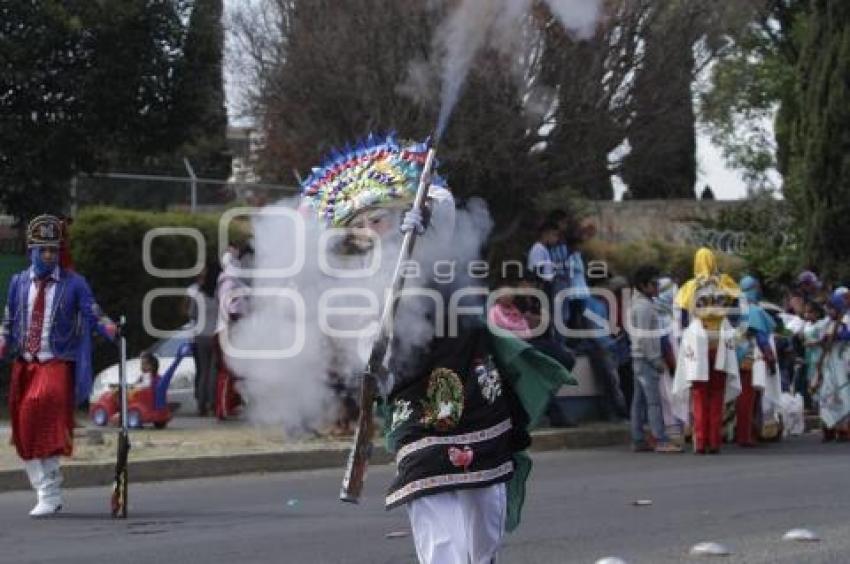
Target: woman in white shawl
(832,384)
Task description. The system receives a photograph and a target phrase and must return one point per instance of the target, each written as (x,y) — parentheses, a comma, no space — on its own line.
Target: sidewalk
(192,448)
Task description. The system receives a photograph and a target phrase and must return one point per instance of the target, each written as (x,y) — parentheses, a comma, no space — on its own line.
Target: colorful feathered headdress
(377,172)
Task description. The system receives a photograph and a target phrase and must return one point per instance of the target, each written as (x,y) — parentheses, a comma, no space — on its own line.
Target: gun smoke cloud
(297,312)
(496,24)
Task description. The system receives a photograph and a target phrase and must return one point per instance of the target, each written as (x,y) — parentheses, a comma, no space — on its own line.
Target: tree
(43,52)
(337,71)
(137,49)
(327,73)
(199,111)
(662,134)
(94,85)
(818,181)
(187,117)
(83,83)
(581,130)
(751,87)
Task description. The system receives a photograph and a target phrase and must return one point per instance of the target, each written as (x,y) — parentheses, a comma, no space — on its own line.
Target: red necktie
(37,321)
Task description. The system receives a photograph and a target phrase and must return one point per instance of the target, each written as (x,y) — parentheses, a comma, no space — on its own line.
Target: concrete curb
(103,473)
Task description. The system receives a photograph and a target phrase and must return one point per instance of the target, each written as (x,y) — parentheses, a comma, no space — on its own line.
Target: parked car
(181,392)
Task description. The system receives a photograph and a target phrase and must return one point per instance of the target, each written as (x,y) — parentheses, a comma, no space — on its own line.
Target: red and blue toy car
(146,403)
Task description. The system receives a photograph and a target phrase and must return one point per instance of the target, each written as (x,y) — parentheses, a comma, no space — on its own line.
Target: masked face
(368,225)
(44,260)
(712,305)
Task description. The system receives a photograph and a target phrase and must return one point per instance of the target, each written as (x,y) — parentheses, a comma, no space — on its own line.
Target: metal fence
(177,193)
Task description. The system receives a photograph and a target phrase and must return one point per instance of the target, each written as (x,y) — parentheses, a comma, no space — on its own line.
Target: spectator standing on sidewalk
(232,306)
(647,364)
(621,343)
(754,349)
(676,409)
(831,384)
(201,306)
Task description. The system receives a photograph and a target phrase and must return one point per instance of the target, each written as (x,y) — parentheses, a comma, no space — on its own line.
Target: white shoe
(46,508)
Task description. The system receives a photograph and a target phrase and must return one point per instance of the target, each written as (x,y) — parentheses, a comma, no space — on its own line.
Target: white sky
(726,183)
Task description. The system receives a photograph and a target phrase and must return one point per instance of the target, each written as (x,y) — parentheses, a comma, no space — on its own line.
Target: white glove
(413,221)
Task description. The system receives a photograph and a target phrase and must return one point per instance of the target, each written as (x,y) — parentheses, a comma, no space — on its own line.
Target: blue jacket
(74,315)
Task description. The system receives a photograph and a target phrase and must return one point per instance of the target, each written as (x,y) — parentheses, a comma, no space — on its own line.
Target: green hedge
(107,246)
(9,266)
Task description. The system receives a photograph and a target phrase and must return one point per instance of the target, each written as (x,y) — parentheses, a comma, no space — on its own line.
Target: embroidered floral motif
(489,381)
(443,405)
(400,414)
(690,354)
(461,458)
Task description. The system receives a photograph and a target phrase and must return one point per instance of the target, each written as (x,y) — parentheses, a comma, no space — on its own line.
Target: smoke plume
(296,390)
(496,24)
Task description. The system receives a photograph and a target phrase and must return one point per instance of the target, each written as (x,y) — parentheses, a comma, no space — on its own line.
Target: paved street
(579,509)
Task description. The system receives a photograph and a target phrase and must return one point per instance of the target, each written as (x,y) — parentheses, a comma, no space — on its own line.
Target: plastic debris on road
(801,535)
(611,560)
(642,502)
(292,503)
(397,534)
(710,549)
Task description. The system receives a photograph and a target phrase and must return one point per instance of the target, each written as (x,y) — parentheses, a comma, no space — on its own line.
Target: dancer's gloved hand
(413,220)
(111,330)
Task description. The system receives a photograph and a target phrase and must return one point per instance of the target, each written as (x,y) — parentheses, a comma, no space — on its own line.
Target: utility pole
(193,183)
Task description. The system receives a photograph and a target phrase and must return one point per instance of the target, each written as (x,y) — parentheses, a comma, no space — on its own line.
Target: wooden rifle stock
(361,450)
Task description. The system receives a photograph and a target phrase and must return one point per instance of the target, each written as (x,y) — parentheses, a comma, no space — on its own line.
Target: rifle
(361,449)
(119,488)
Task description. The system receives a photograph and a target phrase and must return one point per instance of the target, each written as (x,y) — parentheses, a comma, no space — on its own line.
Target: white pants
(45,477)
(460,526)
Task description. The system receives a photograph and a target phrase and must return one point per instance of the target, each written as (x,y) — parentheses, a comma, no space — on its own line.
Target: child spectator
(647,364)
(149,365)
(540,262)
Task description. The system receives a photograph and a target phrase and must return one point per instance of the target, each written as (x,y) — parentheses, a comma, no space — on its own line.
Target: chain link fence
(170,193)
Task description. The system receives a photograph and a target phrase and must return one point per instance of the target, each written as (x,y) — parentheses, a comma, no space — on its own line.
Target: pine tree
(662,133)
(200,116)
(818,183)
(85,85)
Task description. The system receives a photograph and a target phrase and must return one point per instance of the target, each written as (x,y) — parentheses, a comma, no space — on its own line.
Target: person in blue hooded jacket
(47,325)
(759,326)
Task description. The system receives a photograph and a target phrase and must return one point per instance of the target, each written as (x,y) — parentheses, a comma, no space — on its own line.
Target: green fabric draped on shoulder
(535,378)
